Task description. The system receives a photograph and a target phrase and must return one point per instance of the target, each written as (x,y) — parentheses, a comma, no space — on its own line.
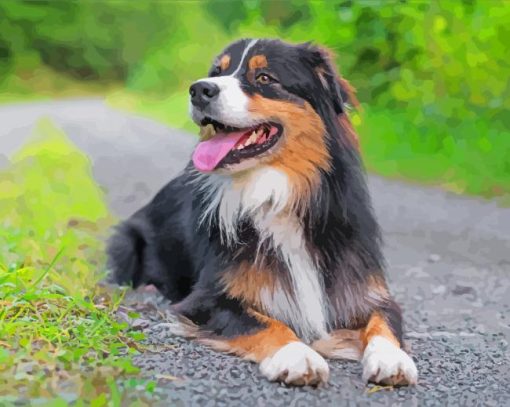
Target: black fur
(165,244)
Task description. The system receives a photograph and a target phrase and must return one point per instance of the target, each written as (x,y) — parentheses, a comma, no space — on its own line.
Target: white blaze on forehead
(243,57)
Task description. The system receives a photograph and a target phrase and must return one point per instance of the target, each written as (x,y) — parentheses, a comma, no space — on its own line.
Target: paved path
(448,265)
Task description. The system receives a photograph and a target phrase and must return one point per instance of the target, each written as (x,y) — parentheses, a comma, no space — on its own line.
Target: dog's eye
(215,71)
(264,79)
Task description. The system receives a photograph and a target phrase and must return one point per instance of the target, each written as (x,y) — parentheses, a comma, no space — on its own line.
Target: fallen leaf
(166,377)
(377,388)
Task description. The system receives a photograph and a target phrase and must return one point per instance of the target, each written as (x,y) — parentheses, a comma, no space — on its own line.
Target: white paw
(385,363)
(296,364)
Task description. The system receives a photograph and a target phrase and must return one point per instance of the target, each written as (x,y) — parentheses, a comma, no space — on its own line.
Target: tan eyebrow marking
(225,62)
(257,61)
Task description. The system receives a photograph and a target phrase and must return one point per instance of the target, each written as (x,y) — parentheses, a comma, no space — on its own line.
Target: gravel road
(448,265)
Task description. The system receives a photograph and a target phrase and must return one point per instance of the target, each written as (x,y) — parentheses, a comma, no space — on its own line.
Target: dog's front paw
(385,363)
(296,364)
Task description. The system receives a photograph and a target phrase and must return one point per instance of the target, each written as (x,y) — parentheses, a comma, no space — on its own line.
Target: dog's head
(266,102)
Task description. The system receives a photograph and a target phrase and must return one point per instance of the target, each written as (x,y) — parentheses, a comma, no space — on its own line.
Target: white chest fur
(305,310)
(264,195)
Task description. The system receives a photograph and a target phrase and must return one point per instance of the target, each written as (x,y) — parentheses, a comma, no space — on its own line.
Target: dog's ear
(341,91)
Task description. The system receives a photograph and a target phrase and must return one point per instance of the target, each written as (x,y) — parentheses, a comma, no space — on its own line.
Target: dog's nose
(202,93)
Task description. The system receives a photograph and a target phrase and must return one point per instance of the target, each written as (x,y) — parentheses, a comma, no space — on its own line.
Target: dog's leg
(281,355)
(384,361)
(225,325)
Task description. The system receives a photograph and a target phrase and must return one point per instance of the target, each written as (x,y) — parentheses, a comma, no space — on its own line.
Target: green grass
(59,339)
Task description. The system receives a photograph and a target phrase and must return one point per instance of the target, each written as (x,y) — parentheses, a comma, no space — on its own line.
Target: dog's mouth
(224,145)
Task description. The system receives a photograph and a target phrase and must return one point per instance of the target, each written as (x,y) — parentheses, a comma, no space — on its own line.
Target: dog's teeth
(252,139)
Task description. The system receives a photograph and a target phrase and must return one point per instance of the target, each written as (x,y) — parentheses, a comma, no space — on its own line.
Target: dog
(266,244)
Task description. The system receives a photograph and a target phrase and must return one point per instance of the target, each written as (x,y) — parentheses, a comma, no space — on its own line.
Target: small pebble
(434,258)
(139,324)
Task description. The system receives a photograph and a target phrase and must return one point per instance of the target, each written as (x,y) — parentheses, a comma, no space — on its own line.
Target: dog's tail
(125,251)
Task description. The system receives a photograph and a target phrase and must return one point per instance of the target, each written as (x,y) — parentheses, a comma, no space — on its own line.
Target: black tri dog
(266,244)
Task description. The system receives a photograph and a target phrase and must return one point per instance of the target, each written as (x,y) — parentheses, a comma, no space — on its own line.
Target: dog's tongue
(208,154)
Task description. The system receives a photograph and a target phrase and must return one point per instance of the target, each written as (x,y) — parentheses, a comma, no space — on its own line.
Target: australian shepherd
(266,244)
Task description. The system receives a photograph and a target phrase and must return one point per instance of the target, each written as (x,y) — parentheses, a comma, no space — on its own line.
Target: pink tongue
(208,154)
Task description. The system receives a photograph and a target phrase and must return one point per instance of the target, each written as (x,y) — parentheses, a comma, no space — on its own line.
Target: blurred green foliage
(73,196)
(434,74)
